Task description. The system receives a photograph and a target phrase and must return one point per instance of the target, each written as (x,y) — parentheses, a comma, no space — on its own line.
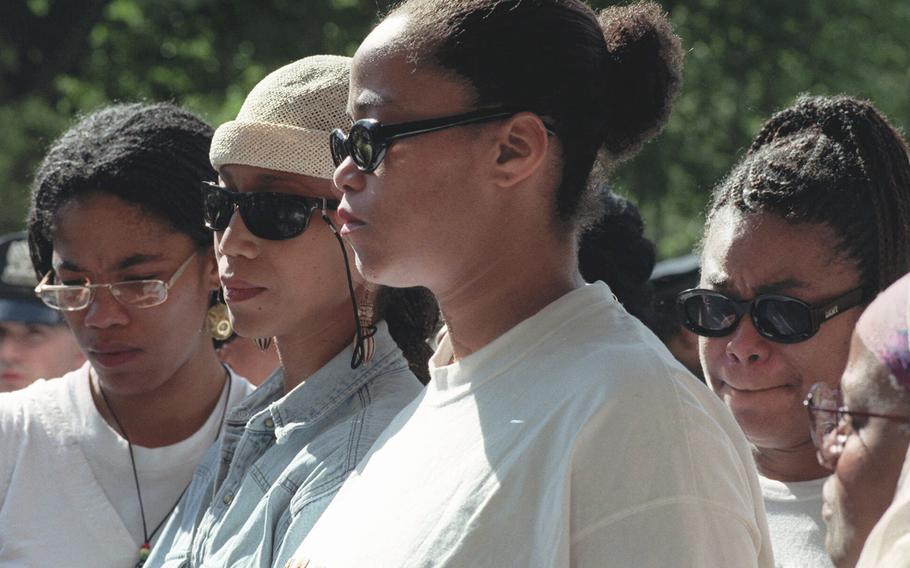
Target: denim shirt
(282,459)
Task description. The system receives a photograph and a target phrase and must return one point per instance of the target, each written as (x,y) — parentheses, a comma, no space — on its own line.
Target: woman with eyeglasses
(351,352)
(556,429)
(806,230)
(92,463)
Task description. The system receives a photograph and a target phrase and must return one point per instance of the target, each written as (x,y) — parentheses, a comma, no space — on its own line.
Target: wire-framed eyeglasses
(134,293)
(831,423)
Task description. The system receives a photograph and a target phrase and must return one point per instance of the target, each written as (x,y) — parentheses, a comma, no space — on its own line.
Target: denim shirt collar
(268,408)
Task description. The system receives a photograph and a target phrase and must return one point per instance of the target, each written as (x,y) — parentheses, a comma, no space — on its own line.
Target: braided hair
(833,161)
(413,317)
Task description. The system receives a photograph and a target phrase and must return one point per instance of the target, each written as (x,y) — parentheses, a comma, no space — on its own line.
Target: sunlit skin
(30,351)
(867,471)
(459,210)
(156,365)
(763,382)
(295,289)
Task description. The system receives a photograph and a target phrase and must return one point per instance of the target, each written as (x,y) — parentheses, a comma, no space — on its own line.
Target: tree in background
(59,58)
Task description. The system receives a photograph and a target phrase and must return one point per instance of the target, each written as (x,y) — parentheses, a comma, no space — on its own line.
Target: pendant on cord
(143,555)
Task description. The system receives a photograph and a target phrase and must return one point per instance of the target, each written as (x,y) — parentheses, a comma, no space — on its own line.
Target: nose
(236,240)
(745,345)
(348,177)
(105,311)
(10,351)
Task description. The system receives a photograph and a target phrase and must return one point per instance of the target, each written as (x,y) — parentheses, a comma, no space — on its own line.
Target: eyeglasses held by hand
(272,216)
(368,139)
(779,318)
(831,423)
(135,293)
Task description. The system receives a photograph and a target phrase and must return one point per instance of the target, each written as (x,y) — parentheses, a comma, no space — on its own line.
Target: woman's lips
(12,377)
(237,290)
(351,222)
(234,295)
(114,357)
(754,390)
(750,393)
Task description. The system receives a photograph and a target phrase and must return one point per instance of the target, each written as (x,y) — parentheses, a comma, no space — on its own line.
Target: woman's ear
(522,146)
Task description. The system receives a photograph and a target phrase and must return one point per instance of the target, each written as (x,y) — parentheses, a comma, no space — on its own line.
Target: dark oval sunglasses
(779,318)
(272,216)
(368,139)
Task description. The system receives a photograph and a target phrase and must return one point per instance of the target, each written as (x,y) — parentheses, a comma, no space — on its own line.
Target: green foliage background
(746,59)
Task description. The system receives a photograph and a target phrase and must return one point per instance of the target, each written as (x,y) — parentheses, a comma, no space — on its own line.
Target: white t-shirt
(888,545)
(67,493)
(574,439)
(795,520)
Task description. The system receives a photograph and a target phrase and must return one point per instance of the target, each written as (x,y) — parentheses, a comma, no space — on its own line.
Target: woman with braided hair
(556,430)
(802,234)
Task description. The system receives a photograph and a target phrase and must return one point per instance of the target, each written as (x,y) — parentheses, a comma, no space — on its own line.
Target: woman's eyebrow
(128,262)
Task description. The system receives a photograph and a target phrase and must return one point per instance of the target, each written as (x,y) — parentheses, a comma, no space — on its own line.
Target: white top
(795,521)
(67,493)
(888,545)
(574,439)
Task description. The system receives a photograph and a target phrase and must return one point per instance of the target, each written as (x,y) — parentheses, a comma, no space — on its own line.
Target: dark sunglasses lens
(216,207)
(783,319)
(361,145)
(709,314)
(337,146)
(275,216)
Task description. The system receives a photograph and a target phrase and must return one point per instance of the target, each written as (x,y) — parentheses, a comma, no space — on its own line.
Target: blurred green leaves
(59,58)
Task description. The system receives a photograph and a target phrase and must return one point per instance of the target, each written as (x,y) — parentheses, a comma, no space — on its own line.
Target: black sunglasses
(368,139)
(779,318)
(273,216)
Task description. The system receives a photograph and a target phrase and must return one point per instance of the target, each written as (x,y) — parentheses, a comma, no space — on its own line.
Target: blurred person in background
(35,342)
(670,277)
(616,251)
(806,230)
(862,429)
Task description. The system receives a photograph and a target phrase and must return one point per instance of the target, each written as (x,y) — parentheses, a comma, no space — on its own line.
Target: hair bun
(645,60)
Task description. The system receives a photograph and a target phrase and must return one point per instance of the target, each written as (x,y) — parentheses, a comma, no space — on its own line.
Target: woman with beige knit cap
(351,353)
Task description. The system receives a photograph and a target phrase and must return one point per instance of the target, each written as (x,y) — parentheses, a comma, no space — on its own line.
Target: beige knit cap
(285,121)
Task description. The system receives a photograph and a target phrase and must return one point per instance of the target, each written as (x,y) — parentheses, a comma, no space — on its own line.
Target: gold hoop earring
(263,343)
(218,322)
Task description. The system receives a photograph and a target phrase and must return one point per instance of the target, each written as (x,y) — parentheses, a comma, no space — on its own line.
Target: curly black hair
(605,82)
(154,156)
(833,161)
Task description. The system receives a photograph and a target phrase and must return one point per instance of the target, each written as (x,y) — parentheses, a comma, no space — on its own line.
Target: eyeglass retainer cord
(361,334)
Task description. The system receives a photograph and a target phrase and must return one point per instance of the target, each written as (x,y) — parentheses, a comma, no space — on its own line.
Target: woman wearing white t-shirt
(92,463)
(556,429)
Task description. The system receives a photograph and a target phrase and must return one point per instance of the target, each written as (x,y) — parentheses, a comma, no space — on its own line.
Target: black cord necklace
(145,549)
